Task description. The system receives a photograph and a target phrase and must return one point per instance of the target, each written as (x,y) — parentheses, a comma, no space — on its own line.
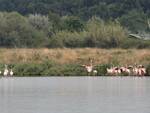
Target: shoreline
(119,76)
(50,69)
(67,62)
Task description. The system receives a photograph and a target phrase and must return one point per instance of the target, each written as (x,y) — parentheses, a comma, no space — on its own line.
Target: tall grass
(78,55)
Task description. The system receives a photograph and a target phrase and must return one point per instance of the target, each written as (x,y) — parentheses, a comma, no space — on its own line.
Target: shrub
(40,22)
(73,70)
(67,39)
(102,69)
(53,71)
(72,24)
(135,43)
(105,35)
(16,31)
(48,69)
(148,70)
(65,70)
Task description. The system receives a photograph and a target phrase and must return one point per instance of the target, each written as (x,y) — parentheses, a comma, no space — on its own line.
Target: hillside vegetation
(73,23)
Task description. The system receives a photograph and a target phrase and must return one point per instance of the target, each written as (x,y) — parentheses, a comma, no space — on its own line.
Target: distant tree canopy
(72,23)
(84,9)
(113,8)
(16,31)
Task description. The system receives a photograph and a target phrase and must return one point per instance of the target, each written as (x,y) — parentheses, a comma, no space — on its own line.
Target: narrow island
(75,62)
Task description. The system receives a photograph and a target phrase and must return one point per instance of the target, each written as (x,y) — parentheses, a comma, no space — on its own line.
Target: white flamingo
(113,70)
(141,70)
(5,71)
(110,71)
(95,71)
(135,71)
(89,67)
(11,72)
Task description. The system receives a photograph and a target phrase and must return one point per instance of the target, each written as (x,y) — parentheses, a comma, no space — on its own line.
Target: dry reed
(81,56)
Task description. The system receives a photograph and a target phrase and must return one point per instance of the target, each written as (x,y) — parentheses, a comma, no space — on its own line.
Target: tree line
(131,13)
(73,23)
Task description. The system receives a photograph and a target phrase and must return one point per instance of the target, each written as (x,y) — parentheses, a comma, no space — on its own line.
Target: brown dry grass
(66,55)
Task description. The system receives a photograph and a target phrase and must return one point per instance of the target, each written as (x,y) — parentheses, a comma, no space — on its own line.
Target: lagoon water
(75,95)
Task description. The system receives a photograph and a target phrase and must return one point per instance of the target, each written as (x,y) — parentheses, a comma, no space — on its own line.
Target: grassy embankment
(66,62)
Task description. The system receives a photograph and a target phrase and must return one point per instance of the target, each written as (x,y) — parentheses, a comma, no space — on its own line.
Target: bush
(68,39)
(148,70)
(65,70)
(104,34)
(72,24)
(135,43)
(40,22)
(27,70)
(48,69)
(16,31)
(102,69)
(32,69)
(73,70)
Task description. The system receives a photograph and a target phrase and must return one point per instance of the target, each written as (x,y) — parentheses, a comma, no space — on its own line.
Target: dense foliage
(73,23)
(52,69)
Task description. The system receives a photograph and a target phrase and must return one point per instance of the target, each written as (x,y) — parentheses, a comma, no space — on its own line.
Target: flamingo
(135,71)
(109,71)
(5,71)
(11,72)
(95,71)
(113,70)
(89,67)
(141,70)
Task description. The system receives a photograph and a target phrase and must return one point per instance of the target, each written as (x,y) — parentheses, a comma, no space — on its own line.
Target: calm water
(75,95)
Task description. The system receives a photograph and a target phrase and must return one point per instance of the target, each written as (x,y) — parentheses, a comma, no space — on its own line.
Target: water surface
(75,95)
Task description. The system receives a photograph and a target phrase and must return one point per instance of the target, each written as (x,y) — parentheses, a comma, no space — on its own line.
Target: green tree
(135,21)
(72,23)
(55,19)
(40,22)
(15,31)
(102,34)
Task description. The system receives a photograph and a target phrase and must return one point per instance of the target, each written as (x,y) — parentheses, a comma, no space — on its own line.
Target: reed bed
(78,55)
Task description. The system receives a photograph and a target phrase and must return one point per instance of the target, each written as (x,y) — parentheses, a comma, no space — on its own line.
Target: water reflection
(75,95)
(6,86)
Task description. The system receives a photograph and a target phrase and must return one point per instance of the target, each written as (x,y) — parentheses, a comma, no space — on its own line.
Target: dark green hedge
(49,68)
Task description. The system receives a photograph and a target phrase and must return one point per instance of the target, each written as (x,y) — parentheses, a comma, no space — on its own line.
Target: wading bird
(5,71)
(11,72)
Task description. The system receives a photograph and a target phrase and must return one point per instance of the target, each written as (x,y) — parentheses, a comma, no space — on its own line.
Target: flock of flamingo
(139,70)
(136,70)
(7,72)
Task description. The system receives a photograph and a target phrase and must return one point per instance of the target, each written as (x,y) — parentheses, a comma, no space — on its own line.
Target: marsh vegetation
(67,62)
